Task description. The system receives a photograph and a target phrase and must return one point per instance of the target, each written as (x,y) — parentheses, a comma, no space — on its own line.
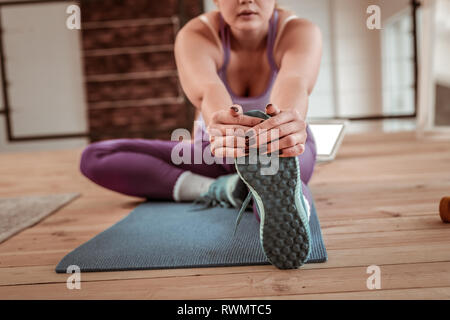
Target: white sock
(189,186)
(308,208)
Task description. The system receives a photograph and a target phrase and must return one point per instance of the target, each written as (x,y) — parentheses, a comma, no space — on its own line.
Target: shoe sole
(284,227)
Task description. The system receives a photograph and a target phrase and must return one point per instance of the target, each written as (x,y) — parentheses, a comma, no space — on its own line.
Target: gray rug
(162,235)
(19,213)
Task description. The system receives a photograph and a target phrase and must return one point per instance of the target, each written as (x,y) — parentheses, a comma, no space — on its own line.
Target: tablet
(328,135)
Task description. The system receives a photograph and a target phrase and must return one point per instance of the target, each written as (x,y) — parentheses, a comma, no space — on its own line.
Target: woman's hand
(226,132)
(284,131)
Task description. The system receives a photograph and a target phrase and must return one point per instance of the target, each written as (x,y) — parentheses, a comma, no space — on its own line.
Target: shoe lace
(241,211)
(210,199)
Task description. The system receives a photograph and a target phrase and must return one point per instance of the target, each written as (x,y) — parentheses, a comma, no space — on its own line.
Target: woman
(246,56)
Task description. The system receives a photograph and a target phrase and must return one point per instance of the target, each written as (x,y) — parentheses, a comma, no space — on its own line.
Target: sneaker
(305,200)
(284,228)
(226,191)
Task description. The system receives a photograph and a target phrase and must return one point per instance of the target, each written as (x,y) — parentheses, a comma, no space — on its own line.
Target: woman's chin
(248,25)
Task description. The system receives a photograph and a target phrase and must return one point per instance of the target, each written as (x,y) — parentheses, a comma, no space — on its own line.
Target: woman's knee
(308,160)
(92,154)
(89,160)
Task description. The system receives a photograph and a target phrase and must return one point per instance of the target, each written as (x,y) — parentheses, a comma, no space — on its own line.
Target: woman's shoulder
(206,26)
(203,30)
(292,30)
(284,13)
(294,20)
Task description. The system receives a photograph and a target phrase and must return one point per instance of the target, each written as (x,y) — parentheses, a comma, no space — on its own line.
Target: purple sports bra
(247,103)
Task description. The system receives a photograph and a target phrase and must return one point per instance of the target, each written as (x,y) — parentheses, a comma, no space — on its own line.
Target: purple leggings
(143,168)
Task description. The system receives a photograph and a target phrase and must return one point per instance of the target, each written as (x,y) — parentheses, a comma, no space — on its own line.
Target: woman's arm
(301,52)
(301,49)
(195,56)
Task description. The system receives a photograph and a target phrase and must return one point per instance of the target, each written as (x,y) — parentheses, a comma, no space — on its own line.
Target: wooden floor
(377,202)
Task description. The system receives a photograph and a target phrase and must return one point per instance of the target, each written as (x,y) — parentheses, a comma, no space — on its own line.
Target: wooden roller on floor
(444,209)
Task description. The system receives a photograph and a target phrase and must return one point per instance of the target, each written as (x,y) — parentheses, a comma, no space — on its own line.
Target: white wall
(358,59)
(434,36)
(350,77)
(45,77)
(391,8)
(322,101)
(398,57)
(442,43)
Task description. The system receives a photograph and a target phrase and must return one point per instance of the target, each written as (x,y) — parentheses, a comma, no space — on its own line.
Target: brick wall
(131,79)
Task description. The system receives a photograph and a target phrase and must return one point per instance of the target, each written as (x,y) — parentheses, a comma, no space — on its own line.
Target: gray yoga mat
(162,235)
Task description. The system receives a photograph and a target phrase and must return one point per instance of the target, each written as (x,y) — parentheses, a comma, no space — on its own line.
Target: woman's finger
(219,130)
(233,117)
(292,151)
(228,142)
(286,142)
(264,138)
(272,110)
(236,110)
(229,152)
(276,133)
(273,122)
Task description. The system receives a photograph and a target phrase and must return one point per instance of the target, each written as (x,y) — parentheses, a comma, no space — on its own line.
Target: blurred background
(116,77)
